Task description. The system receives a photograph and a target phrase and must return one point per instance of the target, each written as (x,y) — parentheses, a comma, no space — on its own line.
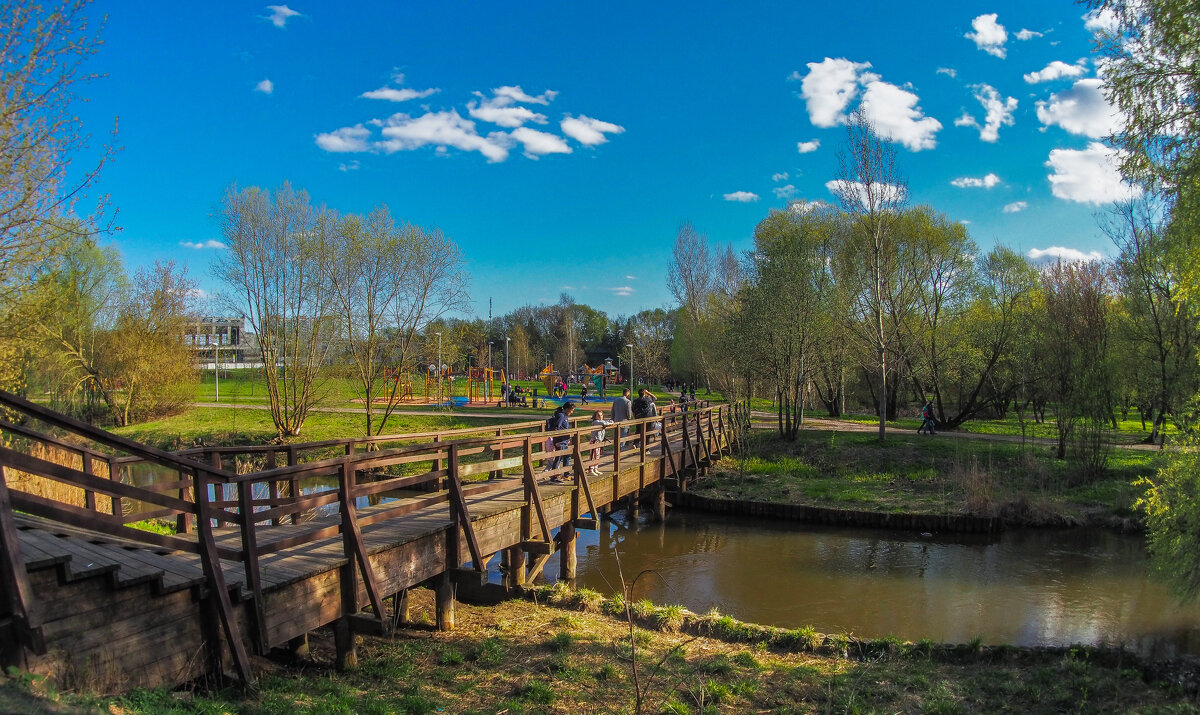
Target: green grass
(231,426)
(415,673)
(910,473)
(1128,431)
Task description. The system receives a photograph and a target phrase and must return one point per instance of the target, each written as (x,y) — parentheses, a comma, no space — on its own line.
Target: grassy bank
(231,426)
(565,654)
(918,474)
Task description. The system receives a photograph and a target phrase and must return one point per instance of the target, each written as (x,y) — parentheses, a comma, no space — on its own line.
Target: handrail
(150,454)
(442,463)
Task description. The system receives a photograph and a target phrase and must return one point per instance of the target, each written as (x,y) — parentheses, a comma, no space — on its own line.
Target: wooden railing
(412,472)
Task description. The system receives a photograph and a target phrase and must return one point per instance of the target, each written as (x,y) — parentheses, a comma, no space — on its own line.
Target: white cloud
(989,35)
(349,166)
(856,192)
(1101,21)
(346,139)
(588,131)
(808,147)
(198,245)
(502,109)
(393,94)
(832,84)
(1088,176)
(1027,34)
(896,116)
(1061,253)
(622,290)
(1083,109)
(1015,207)
(948,71)
(742,197)
(784,192)
(1056,70)
(516,94)
(971,182)
(280,14)
(801,206)
(442,130)
(997,112)
(829,88)
(781,176)
(490,111)
(631,278)
(266,86)
(540,143)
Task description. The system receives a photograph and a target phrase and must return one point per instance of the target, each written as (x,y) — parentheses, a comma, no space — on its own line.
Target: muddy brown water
(1024,587)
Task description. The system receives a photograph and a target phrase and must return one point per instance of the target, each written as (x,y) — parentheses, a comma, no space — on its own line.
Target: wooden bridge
(272,542)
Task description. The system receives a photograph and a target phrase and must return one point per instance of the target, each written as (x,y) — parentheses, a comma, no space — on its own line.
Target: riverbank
(924,476)
(561,652)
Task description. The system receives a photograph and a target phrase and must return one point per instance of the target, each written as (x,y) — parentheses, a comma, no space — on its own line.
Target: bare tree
(42,49)
(386,282)
(871,188)
(273,266)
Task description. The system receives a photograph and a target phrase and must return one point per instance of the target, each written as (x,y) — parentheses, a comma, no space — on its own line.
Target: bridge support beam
(444,598)
(660,503)
(568,559)
(632,507)
(514,575)
(344,643)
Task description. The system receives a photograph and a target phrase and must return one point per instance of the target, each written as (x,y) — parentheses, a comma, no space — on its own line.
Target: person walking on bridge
(622,410)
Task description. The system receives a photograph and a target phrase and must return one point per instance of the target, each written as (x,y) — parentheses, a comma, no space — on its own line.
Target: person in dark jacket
(560,420)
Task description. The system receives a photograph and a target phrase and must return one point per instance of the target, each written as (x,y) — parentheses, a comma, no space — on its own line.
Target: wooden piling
(444,596)
(568,559)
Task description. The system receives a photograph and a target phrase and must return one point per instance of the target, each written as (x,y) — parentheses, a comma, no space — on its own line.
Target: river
(1023,587)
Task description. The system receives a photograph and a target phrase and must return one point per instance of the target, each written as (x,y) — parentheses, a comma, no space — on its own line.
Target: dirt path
(767,420)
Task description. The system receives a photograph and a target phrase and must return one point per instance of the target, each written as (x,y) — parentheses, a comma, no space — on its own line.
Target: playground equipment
(480,381)
(400,384)
(446,385)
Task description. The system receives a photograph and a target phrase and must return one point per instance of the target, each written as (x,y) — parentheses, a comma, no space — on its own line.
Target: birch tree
(871,188)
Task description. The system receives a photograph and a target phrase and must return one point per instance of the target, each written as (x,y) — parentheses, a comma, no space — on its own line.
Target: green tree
(1074,337)
(1151,61)
(784,306)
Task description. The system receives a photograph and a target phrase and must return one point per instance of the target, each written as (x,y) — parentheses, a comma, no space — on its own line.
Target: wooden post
(402,606)
(660,503)
(89,496)
(444,596)
(293,483)
(633,506)
(274,490)
(250,561)
(568,559)
(18,600)
(343,642)
(514,577)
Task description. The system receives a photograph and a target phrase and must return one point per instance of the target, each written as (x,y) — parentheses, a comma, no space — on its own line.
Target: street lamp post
(507,376)
(630,346)
(488,384)
(439,369)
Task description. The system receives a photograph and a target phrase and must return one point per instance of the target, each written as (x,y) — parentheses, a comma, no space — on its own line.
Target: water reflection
(1024,587)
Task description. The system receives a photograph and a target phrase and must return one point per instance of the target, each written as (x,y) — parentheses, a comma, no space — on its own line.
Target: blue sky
(561,144)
